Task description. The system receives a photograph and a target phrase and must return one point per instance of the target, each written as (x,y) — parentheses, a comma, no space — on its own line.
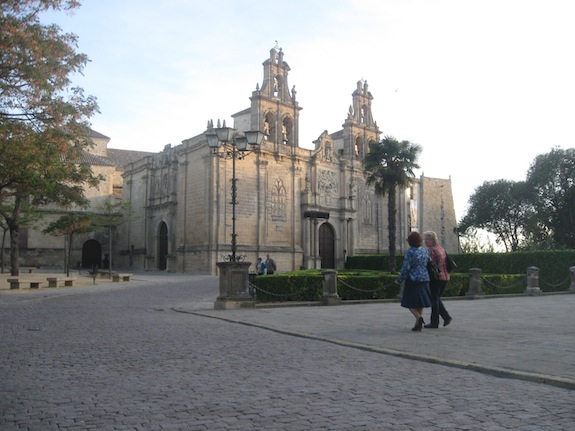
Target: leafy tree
(69,225)
(389,164)
(28,216)
(111,215)
(552,181)
(501,207)
(475,241)
(4,227)
(43,120)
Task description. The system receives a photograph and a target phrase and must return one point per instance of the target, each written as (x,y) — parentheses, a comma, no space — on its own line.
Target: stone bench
(16,282)
(57,281)
(121,277)
(104,273)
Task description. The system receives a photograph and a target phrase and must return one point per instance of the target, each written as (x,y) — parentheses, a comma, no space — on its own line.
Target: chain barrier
(364,290)
(519,283)
(554,285)
(253,289)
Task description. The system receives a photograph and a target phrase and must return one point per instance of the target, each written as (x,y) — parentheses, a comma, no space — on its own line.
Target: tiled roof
(122,158)
(93,159)
(117,158)
(95,134)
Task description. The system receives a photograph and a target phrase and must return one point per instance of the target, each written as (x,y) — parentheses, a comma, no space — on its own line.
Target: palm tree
(389,164)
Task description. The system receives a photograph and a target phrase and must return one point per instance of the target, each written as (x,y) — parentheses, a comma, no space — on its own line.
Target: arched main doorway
(91,254)
(327,245)
(163,246)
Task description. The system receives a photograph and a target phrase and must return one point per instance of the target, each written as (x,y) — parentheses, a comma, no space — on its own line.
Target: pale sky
(484,86)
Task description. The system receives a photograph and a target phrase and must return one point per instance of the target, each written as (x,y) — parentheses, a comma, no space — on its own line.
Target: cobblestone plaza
(154,355)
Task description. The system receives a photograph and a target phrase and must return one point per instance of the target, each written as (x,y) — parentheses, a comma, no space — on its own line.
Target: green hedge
(356,285)
(290,286)
(307,285)
(553,265)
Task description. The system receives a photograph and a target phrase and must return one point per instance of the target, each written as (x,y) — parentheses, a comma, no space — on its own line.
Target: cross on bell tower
(274,107)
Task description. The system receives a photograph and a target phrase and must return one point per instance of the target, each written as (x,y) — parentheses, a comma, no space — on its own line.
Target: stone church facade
(306,208)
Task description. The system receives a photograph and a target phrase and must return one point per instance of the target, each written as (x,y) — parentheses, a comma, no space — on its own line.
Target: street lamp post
(228,143)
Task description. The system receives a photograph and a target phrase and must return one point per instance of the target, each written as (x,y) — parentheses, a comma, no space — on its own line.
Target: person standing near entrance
(270,264)
(437,287)
(261,267)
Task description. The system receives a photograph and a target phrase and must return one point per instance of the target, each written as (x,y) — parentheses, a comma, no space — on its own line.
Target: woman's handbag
(449,263)
(433,270)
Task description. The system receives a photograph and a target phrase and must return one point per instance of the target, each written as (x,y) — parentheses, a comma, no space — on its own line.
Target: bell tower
(274,109)
(359,129)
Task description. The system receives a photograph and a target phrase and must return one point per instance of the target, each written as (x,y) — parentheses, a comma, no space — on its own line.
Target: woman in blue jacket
(416,293)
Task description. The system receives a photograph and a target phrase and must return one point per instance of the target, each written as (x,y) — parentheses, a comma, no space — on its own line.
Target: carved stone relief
(327,187)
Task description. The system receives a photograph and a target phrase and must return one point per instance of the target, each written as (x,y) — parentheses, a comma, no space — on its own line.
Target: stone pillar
(307,236)
(572,275)
(475,291)
(171,263)
(350,237)
(344,244)
(330,296)
(307,243)
(316,256)
(533,281)
(234,291)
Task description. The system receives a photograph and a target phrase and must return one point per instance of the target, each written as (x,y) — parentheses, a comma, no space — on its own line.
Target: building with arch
(307,208)
(89,250)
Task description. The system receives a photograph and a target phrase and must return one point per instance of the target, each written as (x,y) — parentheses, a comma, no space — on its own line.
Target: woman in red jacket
(437,255)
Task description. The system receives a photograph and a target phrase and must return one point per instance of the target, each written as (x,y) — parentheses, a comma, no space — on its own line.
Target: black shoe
(431,326)
(447,321)
(418,325)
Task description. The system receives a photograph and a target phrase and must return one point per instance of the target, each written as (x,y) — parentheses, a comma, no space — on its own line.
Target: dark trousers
(437,309)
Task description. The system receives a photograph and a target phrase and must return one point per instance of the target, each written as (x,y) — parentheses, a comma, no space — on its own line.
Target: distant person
(260,267)
(270,265)
(416,294)
(437,287)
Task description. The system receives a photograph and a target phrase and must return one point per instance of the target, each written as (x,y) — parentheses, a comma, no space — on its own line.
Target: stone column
(171,263)
(475,291)
(344,242)
(315,236)
(533,281)
(307,243)
(234,291)
(572,275)
(350,237)
(330,296)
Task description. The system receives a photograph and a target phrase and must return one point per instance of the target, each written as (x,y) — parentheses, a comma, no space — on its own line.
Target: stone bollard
(234,291)
(330,296)
(475,291)
(533,281)
(572,275)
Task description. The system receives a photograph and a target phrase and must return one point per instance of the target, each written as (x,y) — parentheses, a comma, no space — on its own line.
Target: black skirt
(416,294)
